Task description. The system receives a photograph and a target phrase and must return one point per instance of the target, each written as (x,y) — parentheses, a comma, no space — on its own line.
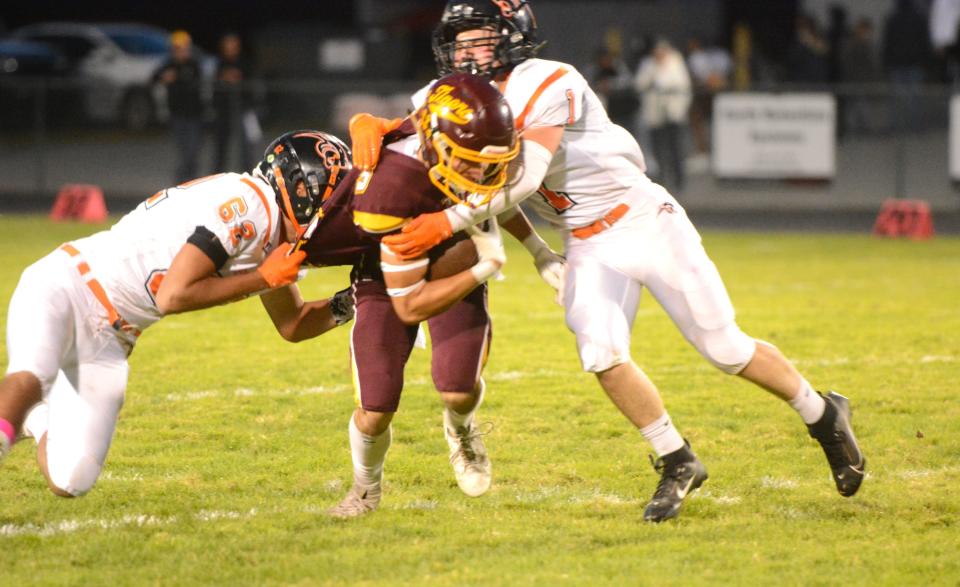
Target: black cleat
(835,434)
(680,473)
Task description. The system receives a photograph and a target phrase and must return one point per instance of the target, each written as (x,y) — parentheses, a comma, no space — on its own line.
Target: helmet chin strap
(288,206)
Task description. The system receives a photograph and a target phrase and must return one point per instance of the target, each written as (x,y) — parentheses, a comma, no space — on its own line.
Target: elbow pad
(536,161)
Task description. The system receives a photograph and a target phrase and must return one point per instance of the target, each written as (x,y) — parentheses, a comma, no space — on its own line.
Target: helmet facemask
(303,180)
(466,176)
(446,53)
(511,32)
(467,138)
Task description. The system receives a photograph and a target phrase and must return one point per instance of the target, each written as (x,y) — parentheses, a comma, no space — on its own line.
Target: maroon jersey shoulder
(400,187)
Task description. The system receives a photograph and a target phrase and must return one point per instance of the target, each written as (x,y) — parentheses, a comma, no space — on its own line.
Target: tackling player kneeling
(77,313)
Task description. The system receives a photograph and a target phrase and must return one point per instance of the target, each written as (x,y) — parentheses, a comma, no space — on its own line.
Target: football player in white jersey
(621,231)
(76,313)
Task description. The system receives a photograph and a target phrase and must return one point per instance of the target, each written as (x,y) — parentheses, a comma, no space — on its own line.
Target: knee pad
(75,475)
(727,348)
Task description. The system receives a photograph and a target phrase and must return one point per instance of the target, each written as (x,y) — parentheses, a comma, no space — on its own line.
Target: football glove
(551,266)
(281,266)
(366,136)
(489,250)
(419,235)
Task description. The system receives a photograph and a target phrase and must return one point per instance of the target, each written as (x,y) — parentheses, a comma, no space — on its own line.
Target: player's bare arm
(192,282)
(297,320)
(415,298)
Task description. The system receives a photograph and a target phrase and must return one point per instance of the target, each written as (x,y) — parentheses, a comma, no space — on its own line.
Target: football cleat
(468,456)
(681,472)
(835,434)
(359,501)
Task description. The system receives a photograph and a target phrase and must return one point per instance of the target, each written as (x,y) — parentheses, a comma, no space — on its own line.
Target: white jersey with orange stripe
(597,161)
(235,216)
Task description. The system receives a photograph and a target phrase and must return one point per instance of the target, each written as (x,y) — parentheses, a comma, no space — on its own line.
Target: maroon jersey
(367,206)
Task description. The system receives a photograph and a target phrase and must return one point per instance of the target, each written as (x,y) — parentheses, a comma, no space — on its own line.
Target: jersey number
(153,283)
(244,230)
(559,201)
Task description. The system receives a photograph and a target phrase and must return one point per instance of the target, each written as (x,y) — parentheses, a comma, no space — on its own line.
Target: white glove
(489,250)
(551,266)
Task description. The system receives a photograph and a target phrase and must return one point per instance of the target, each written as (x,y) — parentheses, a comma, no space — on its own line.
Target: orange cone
(82,202)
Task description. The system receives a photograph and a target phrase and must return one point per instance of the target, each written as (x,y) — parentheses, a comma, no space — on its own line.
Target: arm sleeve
(536,161)
(211,246)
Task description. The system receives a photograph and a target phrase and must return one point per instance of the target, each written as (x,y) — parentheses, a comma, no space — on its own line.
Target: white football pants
(57,330)
(659,249)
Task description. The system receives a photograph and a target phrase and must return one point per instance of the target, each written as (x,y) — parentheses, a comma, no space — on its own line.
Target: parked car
(115,62)
(33,75)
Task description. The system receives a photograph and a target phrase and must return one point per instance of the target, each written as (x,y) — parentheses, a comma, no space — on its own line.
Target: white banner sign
(774,136)
(955,138)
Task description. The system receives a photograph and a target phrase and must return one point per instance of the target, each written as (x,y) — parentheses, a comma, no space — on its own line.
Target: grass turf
(232,443)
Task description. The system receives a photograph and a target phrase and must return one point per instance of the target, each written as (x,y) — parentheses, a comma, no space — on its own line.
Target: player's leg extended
(379,347)
(601,303)
(39,334)
(688,286)
(460,338)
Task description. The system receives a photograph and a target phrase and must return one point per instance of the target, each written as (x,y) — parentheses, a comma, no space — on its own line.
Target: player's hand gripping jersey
(232,217)
(368,205)
(597,161)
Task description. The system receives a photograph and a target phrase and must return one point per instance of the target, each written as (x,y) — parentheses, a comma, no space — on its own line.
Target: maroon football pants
(380,345)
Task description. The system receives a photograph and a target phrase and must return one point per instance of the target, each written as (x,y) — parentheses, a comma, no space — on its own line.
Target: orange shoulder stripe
(266,206)
(546,84)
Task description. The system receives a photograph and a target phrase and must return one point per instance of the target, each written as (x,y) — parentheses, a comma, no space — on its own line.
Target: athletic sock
(7,436)
(808,403)
(369,453)
(662,435)
(455,420)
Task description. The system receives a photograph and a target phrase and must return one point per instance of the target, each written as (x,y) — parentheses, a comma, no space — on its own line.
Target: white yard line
(518,375)
(775,483)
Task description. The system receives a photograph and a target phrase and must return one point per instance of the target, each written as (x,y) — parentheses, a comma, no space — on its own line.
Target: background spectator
(611,80)
(664,84)
(944,22)
(235,123)
(182,78)
(906,52)
(710,71)
(807,60)
(858,66)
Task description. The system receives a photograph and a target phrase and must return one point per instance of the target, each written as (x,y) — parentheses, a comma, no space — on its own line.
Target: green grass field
(232,444)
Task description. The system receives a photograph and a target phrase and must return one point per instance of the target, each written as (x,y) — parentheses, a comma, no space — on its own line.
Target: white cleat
(359,501)
(469,459)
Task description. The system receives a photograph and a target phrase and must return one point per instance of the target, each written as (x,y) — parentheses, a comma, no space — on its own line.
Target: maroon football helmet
(467,137)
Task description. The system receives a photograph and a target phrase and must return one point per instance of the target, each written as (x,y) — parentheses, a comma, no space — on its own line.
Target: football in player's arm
(455,148)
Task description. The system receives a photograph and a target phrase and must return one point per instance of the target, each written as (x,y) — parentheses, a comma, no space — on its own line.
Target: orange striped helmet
(315,159)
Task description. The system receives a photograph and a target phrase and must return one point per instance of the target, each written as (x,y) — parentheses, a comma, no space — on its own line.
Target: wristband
(534,244)
(483,270)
